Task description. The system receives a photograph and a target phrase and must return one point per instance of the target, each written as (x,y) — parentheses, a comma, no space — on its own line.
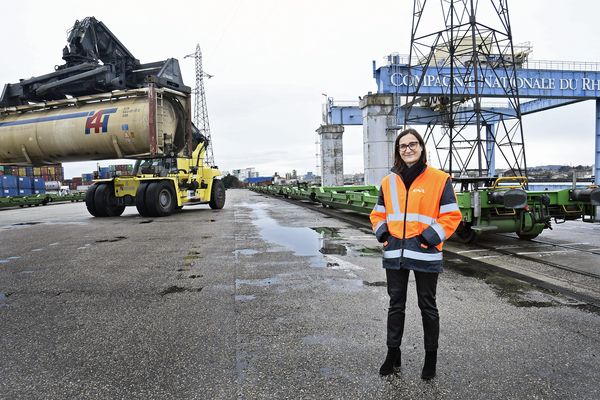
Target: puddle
(328,232)
(23,225)
(376,283)
(8,259)
(338,263)
(244,297)
(115,239)
(329,247)
(344,285)
(257,282)
(188,260)
(178,289)
(3,299)
(302,241)
(245,252)
(371,251)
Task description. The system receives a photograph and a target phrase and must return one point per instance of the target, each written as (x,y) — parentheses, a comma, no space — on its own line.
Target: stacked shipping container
(11,186)
(8,186)
(26,181)
(53,172)
(120,170)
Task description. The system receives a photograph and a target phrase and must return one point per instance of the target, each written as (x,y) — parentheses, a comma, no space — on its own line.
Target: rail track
(530,255)
(554,274)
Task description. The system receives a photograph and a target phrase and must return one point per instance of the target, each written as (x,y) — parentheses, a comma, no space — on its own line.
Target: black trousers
(397,284)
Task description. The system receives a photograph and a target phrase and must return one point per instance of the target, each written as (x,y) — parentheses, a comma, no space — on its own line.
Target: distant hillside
(548,167)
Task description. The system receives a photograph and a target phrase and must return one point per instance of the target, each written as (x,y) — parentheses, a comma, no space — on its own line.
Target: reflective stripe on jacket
(428,208)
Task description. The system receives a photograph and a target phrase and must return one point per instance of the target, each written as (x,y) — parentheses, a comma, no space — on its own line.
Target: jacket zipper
(405,214)
(404,224)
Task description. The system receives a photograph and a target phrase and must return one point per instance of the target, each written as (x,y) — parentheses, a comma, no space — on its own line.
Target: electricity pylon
(200,109)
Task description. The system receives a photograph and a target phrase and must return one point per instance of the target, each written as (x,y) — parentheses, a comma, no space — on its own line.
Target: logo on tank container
(98,121)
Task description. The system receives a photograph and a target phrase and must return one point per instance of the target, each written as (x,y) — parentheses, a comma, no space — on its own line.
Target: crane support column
(378,138)
(332,155)
(597,154)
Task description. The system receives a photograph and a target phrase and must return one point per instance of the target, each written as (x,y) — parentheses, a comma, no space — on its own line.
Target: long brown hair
(399,164)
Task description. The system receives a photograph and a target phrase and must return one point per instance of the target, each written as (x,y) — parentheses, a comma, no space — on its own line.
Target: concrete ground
(260,300)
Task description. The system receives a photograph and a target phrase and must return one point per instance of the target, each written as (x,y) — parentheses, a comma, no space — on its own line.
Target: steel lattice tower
(200,109)
(467,128)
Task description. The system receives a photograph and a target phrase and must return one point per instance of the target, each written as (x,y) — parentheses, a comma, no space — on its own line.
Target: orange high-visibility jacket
(418,220)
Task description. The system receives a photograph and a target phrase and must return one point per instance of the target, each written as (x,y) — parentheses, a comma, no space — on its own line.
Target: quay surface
(260,300)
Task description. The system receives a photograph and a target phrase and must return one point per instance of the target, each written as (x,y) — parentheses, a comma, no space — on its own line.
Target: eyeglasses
(411,145)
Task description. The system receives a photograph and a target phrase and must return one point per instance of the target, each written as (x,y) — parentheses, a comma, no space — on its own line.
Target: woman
(415,213)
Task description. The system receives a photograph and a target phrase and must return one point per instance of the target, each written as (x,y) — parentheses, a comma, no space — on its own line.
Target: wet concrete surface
(574,244)
(260,300)
(566,257)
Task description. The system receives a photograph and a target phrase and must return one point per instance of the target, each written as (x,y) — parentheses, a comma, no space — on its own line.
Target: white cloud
(271,60)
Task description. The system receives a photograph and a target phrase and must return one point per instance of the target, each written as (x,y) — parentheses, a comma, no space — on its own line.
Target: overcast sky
(273,59)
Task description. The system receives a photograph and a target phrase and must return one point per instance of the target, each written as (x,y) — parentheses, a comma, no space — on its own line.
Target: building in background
(245,173)
(354,179)
(259,181)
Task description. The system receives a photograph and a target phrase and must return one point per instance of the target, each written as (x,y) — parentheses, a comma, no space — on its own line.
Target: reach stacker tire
(140,199)
(217,195)
(89,200)
(105,201)
(160,199)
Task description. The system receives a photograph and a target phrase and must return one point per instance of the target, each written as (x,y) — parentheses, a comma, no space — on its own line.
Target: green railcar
(487,205)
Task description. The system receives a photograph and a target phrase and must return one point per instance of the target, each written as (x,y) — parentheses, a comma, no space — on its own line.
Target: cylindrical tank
(99,130)
(52,185)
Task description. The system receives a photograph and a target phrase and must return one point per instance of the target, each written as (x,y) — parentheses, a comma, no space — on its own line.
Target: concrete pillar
(597,154)
(332,155)
(378,140)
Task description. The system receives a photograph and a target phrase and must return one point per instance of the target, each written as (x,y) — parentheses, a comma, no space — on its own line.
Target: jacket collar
(397,171)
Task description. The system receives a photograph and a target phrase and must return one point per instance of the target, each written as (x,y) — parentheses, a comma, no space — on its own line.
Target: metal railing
(402,59)
(562,65)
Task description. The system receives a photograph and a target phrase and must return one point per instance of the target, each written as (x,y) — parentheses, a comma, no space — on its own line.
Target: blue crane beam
(531,83)
(352,115)
(549,89)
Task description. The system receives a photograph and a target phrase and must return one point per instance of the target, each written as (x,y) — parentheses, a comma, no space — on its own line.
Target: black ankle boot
(392,361)
(430,364)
